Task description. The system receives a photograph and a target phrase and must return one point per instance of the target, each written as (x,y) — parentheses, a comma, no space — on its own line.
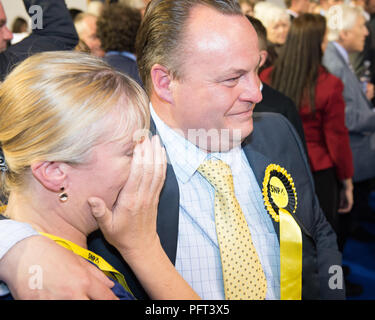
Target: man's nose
(251,90)
(8,35)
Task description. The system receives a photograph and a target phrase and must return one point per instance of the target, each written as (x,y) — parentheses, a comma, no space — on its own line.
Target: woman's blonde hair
(51,105)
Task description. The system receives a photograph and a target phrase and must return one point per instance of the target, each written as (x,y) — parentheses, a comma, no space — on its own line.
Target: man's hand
(63,274)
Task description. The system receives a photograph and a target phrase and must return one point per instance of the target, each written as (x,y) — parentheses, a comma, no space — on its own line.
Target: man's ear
(51,175)
(263,57)
(161,79)
(343,34)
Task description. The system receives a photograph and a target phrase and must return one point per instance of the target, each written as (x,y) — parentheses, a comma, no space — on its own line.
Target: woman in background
(277,23)
(299,74)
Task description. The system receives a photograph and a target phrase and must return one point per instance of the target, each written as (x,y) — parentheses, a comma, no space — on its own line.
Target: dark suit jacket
(124,65)
(275,101)
(58,33)
(273,141)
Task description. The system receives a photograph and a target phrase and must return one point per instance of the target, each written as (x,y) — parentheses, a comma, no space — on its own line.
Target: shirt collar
(184,156)
(122,53)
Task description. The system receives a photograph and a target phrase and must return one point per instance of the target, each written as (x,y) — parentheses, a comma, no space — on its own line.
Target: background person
(117,29)
(85,24)
(298,73)
(57,33)
(277,24)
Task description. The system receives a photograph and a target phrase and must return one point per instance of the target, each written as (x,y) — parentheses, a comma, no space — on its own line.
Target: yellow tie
(243,275)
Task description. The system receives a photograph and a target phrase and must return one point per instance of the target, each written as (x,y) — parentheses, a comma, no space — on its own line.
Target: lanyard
(92,257)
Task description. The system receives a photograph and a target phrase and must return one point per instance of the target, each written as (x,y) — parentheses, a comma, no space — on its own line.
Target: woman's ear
(161,80)
(51,175)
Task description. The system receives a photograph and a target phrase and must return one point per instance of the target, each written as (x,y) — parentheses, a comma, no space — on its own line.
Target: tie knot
(218,174)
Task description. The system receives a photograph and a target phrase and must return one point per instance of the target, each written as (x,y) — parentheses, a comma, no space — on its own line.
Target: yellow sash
(290,257)
(92,257)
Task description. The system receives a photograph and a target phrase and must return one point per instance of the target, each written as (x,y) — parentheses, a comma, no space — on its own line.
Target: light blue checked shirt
(198,254)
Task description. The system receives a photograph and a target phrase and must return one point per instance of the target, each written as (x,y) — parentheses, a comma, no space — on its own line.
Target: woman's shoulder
(325,76)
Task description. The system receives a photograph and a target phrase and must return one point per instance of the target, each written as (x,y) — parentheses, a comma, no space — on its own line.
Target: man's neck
(344,46)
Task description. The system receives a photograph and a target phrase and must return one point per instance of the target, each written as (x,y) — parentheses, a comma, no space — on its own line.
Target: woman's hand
(131,225)
(346,196)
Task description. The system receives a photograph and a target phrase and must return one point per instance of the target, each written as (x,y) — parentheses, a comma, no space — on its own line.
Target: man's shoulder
(267,120)
(275,137)
(332,59)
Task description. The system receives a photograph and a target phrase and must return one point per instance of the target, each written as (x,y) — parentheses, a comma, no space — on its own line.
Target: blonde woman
(68,128)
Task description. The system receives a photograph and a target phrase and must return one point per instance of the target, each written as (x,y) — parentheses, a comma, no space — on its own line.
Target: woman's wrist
(348,184)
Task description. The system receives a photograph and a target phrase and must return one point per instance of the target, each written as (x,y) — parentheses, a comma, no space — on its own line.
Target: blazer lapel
(168,213)
(168,209)
(258,163)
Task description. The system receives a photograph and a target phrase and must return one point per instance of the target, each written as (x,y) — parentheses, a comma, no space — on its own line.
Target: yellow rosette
(280,199)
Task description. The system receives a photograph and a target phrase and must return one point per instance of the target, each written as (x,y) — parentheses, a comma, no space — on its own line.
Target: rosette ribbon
(280,199)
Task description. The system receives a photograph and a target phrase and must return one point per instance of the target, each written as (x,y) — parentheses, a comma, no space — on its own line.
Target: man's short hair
(260,30)
(159,39)
(341,17)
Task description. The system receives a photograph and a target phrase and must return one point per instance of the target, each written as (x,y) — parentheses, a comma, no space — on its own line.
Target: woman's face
(277,31)
(107,168)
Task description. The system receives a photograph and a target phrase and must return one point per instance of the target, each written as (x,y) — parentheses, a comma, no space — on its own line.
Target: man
(347,37)
(85,24)
(204,78)
(5,34)
(122,21)
(56,33)
(296,7)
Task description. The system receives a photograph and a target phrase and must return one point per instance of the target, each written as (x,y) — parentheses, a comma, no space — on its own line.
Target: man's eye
(231,81)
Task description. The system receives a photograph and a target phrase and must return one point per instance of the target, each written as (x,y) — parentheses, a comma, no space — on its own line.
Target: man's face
(219,86)
(302,6)
(5,34)
(370,6)
(88,35)
(354,39)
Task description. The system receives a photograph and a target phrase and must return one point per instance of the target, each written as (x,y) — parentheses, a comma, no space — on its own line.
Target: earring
(63,196)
